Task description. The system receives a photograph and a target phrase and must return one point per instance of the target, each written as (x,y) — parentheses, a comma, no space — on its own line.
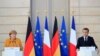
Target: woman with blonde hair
(13,41)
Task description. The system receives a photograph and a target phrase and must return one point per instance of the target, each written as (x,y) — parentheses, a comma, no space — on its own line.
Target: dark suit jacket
(90,42)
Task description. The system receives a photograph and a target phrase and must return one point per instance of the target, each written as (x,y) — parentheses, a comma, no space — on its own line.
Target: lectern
(12,51)
(87,51)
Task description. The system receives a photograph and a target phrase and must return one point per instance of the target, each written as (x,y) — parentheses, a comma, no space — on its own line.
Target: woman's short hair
(12,32)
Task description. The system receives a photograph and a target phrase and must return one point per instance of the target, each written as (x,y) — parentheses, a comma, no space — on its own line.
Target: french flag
(73,42)
(46,41)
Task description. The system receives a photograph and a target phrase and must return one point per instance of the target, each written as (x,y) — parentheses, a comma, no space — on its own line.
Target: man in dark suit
(86,40)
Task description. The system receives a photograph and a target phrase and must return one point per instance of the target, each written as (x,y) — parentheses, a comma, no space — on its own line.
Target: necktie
(85,39)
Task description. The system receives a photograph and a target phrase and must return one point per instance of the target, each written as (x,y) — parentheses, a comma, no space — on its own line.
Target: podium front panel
(12,53)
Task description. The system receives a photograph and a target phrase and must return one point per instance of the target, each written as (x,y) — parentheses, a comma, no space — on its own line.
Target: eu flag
(38,40)
(63,39)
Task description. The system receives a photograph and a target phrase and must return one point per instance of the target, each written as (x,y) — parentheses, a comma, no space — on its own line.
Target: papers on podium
(11,48)
(12,51)
(87,48)
(87,51)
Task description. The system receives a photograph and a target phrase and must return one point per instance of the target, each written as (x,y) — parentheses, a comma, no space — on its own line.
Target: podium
(12,51)
(87,51)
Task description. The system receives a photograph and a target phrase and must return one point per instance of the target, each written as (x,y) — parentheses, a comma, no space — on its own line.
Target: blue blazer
(88,43)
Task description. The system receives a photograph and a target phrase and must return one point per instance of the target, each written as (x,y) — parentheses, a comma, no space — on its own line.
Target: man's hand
(97,51)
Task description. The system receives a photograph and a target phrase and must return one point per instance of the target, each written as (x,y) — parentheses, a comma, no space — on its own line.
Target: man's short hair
(86,29)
